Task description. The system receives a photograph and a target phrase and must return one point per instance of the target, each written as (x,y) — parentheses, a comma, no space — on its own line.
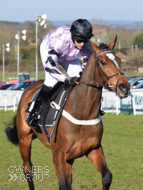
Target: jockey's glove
(71,81)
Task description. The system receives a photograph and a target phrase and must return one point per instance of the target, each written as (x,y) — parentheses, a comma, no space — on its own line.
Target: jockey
(64,45)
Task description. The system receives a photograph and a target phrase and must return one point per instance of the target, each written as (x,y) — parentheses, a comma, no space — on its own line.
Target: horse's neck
(86,99)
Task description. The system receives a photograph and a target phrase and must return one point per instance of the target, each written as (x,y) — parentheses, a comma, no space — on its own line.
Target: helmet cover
(81,28)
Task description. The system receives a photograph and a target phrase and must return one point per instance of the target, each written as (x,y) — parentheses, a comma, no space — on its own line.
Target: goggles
(78,40)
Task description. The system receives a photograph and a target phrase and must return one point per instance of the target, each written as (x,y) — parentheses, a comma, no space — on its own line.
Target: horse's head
(109,68)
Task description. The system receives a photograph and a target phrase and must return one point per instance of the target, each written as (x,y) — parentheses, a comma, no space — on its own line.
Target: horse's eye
(103,63)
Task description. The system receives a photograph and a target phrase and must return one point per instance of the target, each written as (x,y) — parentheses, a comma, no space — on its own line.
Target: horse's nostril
(123,87)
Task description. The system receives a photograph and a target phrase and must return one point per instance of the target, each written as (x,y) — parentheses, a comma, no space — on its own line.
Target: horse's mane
(103,46)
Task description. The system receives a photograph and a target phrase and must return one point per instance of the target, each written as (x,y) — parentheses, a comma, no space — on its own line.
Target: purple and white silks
(60,41)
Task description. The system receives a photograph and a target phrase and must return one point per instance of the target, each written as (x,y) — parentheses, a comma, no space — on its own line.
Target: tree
(138,40)
(124,37)
(135,58)
(41,31)
(24,52)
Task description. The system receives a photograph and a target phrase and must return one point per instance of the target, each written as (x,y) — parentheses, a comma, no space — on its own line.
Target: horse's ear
(94,47)
(112,44)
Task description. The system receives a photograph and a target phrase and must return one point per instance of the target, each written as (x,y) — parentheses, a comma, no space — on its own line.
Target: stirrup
(32,122)
(29,120)
(33,116)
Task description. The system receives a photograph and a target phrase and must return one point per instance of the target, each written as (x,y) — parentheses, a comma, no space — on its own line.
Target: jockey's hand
(71,81)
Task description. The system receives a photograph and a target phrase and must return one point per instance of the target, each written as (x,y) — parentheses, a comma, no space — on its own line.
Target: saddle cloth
(47,114)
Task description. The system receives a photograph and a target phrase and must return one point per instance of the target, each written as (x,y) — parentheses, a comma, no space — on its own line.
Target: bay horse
(73,141)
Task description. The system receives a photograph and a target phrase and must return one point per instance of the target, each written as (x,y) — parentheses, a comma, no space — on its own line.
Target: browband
(108,51)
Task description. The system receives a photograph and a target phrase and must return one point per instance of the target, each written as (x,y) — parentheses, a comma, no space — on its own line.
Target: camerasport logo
(39,173)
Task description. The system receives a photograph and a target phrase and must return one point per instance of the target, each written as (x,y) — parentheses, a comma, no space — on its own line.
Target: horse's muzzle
(123,90)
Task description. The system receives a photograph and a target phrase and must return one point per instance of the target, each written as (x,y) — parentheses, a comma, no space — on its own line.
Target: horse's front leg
(69,164)
(98,160)
(62,169)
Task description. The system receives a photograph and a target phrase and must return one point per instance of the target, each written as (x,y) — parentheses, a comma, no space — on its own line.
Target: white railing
(9,99)
(110,101)
(133,103)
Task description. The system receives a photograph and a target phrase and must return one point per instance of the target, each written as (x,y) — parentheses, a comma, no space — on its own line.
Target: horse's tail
(12,132)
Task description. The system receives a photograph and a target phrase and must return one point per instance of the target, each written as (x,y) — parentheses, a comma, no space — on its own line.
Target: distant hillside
(9,23)
(120,23)
(61,22)
(110,23)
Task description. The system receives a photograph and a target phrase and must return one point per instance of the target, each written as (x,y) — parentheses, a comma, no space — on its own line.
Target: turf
(123,148)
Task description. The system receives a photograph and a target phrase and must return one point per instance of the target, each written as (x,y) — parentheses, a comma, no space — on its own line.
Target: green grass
(123,148)
(133,74)
(41,75)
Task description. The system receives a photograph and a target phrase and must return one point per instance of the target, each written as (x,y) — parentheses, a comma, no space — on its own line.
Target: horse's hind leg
(25,150)
(98,160)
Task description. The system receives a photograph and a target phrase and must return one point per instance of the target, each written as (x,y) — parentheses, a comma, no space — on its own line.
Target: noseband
(101,73)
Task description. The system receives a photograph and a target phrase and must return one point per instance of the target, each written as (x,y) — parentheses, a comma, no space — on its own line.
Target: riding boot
(101,112)
(43,95)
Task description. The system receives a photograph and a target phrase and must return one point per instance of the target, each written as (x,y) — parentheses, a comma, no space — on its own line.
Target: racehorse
(103,68)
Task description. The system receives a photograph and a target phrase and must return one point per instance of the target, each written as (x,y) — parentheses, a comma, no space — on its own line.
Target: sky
(26,10)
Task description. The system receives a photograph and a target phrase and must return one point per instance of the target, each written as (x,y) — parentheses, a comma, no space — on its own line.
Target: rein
(101,73)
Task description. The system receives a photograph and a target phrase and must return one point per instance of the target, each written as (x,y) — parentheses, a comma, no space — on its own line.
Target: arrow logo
(13,177)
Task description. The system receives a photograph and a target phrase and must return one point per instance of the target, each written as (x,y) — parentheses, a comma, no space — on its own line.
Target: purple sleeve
(55,72)
(51,65)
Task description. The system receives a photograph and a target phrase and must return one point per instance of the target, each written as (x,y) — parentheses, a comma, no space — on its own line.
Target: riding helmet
(81,28)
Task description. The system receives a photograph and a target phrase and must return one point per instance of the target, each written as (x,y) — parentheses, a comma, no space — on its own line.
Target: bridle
(101,73)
